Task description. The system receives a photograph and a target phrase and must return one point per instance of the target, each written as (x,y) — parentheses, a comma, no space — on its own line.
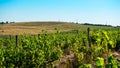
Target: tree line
(6,22)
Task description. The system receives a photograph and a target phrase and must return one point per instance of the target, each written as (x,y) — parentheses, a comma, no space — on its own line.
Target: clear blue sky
(91,11)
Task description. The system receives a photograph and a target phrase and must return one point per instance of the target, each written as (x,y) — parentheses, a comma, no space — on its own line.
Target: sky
(81,11)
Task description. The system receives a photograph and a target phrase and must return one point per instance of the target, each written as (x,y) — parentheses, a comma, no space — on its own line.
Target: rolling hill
(19,28)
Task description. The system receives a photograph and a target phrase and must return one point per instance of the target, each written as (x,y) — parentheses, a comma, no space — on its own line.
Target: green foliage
(42,50)
(112,63)
(86,66)
(102,40)
(99,62)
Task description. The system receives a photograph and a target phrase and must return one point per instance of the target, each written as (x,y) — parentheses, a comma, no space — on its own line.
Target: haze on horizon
(82,11)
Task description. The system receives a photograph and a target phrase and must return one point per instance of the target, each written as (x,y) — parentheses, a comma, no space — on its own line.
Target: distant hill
(17,28)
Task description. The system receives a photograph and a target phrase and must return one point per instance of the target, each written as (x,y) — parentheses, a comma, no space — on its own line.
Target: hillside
(19,28)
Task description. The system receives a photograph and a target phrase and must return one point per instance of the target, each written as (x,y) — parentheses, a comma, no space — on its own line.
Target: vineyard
(86,49)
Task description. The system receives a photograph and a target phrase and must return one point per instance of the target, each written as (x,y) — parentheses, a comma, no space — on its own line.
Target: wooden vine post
(89,40)
(16,37)
(10,37)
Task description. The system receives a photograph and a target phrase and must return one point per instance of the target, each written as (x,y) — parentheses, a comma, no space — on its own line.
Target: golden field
(19,28)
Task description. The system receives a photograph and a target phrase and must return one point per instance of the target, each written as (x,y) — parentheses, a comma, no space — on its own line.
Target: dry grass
(37,27)
(33,27)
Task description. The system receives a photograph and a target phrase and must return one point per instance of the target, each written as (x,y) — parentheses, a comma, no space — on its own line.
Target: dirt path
(65,62)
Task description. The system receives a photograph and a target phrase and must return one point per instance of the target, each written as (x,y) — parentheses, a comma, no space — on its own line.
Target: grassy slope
(37,27)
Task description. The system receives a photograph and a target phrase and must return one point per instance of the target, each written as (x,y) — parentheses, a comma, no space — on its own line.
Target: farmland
(37,27)
(59,45)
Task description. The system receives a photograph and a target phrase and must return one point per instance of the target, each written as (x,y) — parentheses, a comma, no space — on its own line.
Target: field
(58,45)
(37,27)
